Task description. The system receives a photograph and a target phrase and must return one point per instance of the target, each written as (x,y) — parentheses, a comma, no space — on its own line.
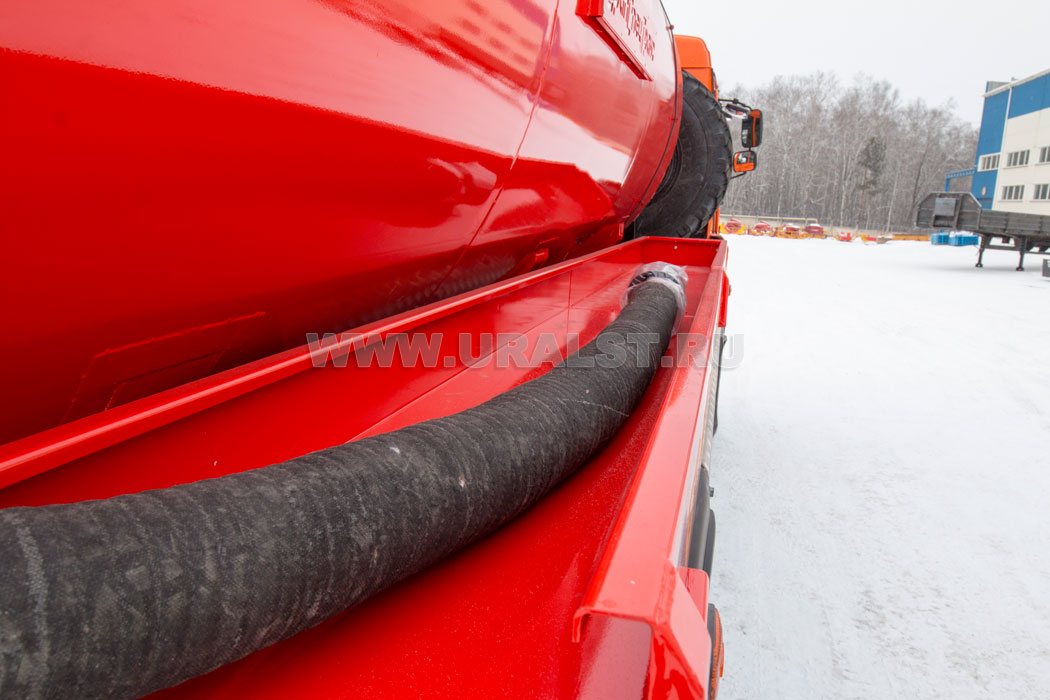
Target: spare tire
(698,175)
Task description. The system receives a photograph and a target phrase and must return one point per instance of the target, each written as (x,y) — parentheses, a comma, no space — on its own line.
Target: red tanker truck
(359,349)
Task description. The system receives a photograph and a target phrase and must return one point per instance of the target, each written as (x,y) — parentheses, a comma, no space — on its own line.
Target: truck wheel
(697,178)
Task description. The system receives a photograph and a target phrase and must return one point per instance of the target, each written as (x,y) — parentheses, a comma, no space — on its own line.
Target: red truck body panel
(188,185)
(583,596)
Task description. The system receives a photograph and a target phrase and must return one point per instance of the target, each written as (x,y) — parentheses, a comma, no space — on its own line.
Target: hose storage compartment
(697,178)
(121,597)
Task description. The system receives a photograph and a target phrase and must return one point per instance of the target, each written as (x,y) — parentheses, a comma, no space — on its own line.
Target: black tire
(698,175)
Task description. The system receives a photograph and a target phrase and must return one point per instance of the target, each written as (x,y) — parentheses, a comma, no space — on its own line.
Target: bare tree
(848,155)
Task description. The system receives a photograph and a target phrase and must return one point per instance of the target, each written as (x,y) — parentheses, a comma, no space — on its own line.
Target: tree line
(848,155)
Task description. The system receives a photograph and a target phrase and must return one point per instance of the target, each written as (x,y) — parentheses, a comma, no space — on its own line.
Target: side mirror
(751,129)
(745,161)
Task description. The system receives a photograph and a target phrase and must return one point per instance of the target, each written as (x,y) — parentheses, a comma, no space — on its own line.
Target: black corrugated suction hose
(121,597)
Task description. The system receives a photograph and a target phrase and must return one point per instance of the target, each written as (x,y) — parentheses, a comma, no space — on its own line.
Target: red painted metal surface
(187,185)
(640,576)
(497,620)
(695,57)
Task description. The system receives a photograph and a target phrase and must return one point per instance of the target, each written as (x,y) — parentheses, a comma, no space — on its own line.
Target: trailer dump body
(587,595)
(960,211)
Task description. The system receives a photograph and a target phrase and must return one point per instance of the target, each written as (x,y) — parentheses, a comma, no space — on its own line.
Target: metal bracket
(735,109)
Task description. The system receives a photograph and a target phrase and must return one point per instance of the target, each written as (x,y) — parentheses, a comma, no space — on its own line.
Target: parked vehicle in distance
(732,226)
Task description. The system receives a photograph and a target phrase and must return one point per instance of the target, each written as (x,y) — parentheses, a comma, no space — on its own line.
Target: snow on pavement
(881,475)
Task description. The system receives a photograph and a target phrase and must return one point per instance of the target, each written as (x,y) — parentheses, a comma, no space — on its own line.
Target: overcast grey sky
(934,49)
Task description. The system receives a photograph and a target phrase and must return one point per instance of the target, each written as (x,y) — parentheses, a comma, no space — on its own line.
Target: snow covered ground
(882,474)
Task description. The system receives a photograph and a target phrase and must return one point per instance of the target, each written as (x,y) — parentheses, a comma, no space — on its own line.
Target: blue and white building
(1013,150)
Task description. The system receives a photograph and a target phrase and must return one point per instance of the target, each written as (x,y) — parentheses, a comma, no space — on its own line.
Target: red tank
(190,184)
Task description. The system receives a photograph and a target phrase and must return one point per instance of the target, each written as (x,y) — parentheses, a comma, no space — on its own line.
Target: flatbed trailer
(960,211)
(599,591)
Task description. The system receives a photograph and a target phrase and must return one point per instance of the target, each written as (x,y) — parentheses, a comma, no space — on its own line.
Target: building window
(1044,154)
(1042,191)
(992,162)
(1017,159)
(1013,193)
